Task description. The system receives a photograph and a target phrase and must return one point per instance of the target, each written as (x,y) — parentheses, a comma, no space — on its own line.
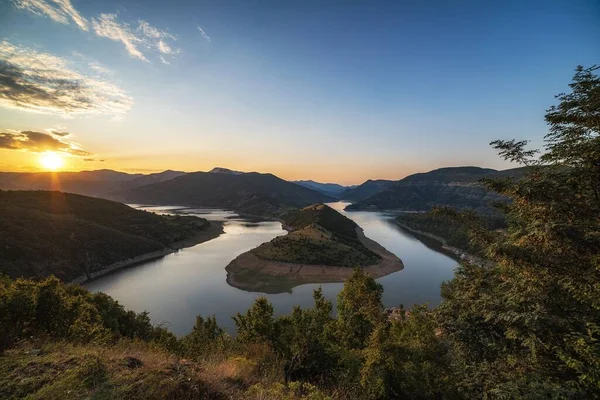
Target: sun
(51,161)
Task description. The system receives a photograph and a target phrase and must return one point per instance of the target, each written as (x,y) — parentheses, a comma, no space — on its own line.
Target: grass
(138,370)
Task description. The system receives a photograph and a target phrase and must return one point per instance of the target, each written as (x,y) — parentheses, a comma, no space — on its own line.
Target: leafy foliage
(529,326)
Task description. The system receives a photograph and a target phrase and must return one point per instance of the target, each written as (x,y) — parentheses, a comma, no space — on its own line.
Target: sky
(334,91)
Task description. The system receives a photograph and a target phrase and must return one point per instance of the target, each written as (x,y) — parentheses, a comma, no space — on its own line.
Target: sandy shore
(249,272)
(214,230)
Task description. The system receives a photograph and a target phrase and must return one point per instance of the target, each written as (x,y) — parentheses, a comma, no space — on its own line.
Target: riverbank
(251,273)
(214,230)
(460,254)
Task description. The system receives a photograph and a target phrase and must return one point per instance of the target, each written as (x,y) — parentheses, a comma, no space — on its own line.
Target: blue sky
(327,90)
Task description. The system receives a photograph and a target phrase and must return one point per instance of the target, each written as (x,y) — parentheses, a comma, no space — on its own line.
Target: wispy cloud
(204,35)
(41,82)
(107,25)
(136,39)
(144,37)
(38,142)
(99,68)
(61,11)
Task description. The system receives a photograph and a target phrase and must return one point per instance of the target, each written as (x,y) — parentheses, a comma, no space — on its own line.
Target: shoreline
(251,273)
(459,253)
(212,232)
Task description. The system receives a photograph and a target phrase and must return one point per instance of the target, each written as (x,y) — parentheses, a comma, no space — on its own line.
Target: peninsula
(322,246)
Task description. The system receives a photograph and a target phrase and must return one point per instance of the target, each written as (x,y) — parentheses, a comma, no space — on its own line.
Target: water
(175,288)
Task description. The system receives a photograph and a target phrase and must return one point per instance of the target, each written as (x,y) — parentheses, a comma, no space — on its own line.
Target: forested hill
(457,187)
(46,233)
(250,193)
(318,235)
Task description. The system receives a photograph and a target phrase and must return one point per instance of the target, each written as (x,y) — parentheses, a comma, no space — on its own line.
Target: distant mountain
(67,235)
(366,190)
(330,189)
(97,183)
(250,193)
(221,170)
(153,178)
(456,187)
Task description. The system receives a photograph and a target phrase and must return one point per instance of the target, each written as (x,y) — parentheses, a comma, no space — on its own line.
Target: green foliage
(360,309)
(258,324)
(52,309)
(456,228)
(67,235)
(530,325)
(206,337)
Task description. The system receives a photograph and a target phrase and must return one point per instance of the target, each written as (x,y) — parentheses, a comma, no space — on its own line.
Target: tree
(530,325)
(258,324)
(360,309)
(206,335)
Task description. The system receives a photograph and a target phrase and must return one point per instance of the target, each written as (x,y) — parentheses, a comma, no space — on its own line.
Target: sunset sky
(339,91)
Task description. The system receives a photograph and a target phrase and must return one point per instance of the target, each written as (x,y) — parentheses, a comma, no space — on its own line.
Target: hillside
(457,187)
(322,246)
(366,189)
(98,183)
(330,189)
(249,193)
(53,233)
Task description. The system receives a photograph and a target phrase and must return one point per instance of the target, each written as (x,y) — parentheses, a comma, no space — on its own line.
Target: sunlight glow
(51,161)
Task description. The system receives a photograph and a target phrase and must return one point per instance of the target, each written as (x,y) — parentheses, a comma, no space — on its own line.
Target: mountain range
(330,189)
(266,194)
(457,187)
(249,193)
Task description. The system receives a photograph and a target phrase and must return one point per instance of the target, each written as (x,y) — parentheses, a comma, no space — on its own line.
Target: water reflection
(176,288)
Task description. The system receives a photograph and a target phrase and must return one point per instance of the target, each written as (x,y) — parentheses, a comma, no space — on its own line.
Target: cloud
(61,11)
(44,83)
(55,132)
(204,35)
(144,37)
(107,26)
(136,41)
(38,142)
(99,68)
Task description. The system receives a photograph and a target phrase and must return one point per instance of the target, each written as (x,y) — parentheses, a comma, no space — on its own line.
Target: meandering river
(175,288)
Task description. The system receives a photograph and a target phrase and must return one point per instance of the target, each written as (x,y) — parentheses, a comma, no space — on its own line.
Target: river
(177,287)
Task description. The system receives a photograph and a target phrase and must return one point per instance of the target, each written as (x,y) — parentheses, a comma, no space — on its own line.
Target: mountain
(153,178)
(98,183)
(366,190)
(221,170)
(330,189)
(456,187)
(250,193)
(67,235)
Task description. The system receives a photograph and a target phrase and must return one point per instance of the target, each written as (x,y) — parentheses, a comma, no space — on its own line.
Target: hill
(330,189)
(249,193)
(98,183)
(366,189)
(72,236)
(322,246)
(457,187)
